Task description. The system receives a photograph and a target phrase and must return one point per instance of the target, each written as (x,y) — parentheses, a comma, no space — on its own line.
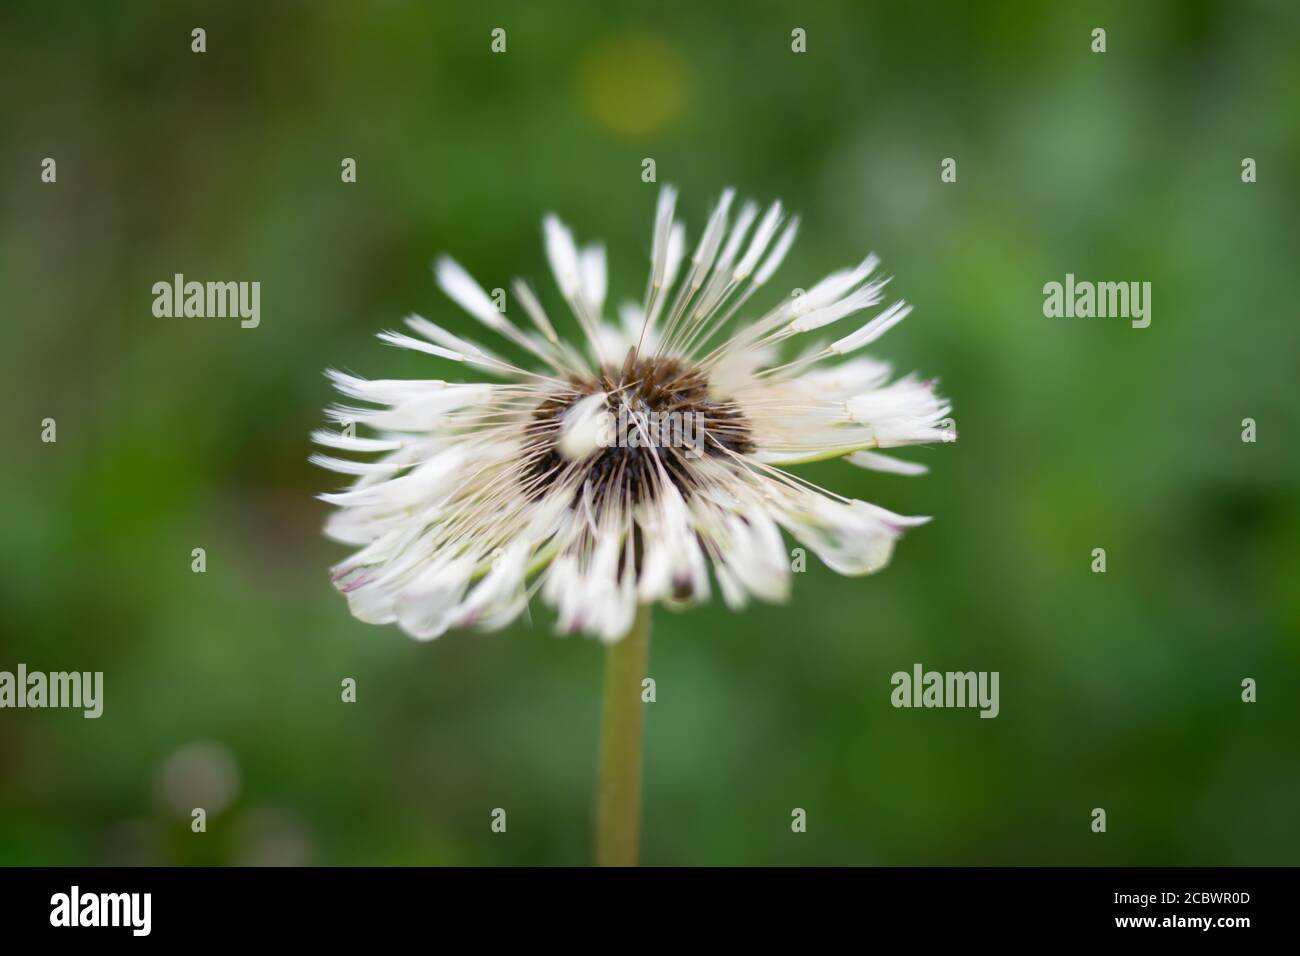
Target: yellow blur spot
(632,83)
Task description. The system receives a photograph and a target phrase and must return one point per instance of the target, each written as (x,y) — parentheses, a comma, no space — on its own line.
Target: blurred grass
(1120,691)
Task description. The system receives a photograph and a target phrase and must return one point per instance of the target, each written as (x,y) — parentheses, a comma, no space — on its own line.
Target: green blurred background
(1119,690)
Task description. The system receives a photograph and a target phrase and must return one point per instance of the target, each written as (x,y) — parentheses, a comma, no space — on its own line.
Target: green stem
(618,785)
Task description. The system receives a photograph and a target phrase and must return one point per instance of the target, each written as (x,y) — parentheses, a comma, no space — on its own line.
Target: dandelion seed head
(549,470)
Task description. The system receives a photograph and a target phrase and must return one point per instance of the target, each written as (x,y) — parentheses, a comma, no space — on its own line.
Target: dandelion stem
(618,786)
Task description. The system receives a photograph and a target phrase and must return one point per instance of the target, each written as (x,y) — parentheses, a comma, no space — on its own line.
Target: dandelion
(476,495)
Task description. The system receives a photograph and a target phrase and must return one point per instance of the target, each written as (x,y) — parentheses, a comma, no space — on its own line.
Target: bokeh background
(1118,690)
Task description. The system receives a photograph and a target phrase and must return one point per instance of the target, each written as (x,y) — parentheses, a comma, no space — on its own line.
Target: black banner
(1171,906)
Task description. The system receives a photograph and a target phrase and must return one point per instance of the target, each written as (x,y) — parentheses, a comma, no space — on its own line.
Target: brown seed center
(660,412)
